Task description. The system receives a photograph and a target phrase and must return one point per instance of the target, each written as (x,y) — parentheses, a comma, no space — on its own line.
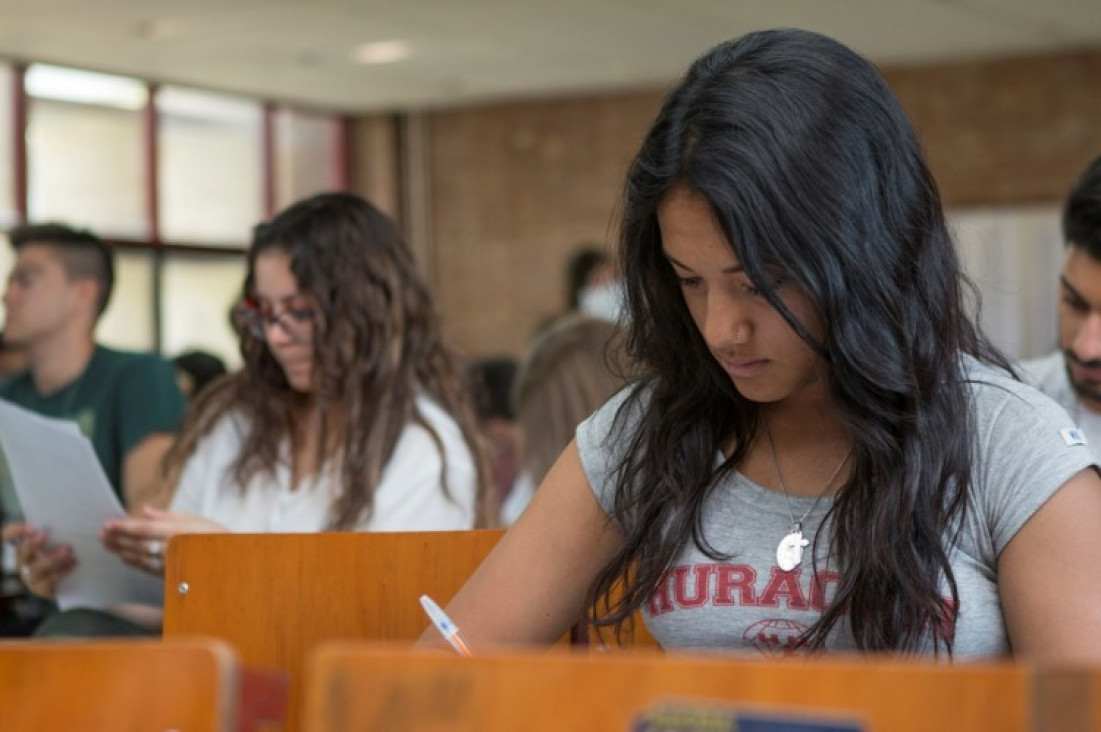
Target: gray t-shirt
(1049,375)
(1026,449)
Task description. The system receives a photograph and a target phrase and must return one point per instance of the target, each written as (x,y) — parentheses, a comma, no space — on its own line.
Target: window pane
(305,155)
(211,177)
(197,293)
(7,163)
(84,150)
(7,259)
(128,322)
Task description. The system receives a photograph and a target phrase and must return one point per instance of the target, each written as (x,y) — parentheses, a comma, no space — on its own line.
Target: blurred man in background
(1072,375)
(127,404)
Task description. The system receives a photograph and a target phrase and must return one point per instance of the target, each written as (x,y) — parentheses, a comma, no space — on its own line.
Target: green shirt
(117,401)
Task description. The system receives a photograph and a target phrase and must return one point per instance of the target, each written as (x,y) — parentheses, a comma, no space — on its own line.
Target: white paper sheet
(62,488)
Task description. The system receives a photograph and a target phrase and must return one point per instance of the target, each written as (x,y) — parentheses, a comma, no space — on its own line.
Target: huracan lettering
(738,585)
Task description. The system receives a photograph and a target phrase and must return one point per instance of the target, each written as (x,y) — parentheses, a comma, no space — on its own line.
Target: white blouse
(409,496)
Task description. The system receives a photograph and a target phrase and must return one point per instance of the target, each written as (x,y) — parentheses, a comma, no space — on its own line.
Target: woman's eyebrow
(1071,290)
(732,269)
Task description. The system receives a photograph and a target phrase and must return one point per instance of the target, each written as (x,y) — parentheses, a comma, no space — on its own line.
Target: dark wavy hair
(814,174)
(377,345)
(1082,212)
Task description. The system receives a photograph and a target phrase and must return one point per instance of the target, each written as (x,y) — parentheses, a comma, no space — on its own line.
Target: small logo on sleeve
(1072,436)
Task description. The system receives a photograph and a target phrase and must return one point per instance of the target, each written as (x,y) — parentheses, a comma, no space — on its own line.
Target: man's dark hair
(201,366)
(82,254)
(1082,213)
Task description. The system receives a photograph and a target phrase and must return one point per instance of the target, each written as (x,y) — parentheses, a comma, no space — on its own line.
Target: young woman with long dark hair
(823,452)
(350,412)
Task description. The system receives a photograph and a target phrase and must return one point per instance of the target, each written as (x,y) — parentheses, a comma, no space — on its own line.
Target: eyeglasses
(257,317)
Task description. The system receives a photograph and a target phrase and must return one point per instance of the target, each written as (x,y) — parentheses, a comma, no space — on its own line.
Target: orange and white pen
(444,624)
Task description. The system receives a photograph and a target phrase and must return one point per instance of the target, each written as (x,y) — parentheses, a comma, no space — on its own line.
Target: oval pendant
(789,554)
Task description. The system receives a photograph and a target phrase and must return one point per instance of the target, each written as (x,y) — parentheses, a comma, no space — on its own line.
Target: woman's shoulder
(620,413)
(1018,425)
(630,402)
(996,391)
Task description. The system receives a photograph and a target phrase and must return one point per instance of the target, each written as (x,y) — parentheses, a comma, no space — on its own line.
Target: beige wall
(506,192)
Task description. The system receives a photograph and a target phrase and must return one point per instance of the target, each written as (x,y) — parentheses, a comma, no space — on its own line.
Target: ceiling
(469,51)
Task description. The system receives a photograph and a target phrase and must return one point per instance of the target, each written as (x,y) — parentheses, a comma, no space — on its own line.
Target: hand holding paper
(62,490)
(41,564)
(140,540)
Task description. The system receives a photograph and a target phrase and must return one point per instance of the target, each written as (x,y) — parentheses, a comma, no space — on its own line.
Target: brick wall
(1012,131)
(514,190)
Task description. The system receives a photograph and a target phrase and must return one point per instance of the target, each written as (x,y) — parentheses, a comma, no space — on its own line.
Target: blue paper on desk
(684,716)
(61,487)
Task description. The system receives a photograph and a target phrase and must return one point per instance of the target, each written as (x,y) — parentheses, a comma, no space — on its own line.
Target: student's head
(332,296)
(587,268)
(1080,286)
(340,335)
(62,278)
(782,184)
(783,242)
(569,371)
(491,381)
(196,369)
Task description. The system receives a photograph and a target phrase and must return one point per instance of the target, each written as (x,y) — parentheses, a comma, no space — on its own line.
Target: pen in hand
(447,628)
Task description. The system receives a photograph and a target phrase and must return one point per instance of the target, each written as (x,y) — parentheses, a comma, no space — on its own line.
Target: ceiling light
(381,52)
(84,87)
(159,29)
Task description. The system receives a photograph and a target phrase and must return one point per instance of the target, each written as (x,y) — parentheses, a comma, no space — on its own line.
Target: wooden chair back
(183,684)
(364,686)
(274,597)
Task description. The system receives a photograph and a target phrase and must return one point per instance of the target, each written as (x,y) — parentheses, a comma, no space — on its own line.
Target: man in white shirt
(1072,375)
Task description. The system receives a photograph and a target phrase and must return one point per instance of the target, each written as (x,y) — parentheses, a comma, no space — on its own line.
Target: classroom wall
(503,193)
(1013,131)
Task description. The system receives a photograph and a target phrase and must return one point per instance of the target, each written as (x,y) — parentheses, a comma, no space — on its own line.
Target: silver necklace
(789,553)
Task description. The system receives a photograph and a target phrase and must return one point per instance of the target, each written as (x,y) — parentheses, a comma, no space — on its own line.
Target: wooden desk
(360,686)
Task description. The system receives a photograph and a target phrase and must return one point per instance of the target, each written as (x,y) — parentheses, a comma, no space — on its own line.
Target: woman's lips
(744,368)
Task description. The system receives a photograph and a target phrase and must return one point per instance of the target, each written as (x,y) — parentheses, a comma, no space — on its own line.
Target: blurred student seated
(593,288)
(349,414)
(491,381)
(1072,374)
(127,404)
(570,370)
(592,284)
(195,370)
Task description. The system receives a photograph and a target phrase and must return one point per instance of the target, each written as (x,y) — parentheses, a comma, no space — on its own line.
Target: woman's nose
(727,322)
